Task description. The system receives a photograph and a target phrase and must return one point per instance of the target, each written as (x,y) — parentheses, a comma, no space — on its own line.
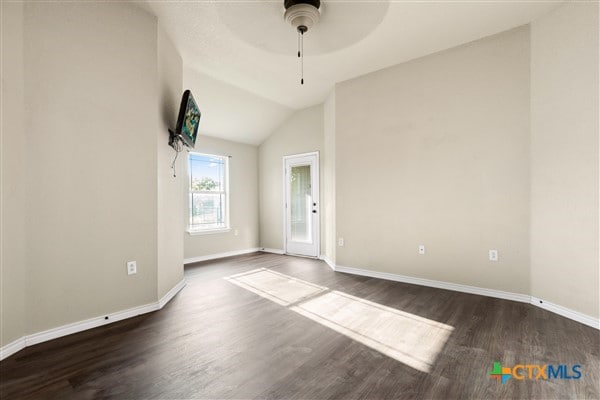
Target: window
(209,193)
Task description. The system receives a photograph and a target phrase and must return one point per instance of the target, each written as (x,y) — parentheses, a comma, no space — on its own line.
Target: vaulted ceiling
(241,62)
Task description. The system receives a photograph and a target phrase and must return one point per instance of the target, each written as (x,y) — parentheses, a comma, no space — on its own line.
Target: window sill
(208,231)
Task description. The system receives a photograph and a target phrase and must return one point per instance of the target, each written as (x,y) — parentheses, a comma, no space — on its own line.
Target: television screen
(189,119)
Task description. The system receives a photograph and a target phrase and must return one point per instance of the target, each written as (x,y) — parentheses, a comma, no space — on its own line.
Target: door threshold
(300,255)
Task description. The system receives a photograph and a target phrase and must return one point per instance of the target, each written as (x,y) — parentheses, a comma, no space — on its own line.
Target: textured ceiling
(231,113)
(243,44)
(260,24)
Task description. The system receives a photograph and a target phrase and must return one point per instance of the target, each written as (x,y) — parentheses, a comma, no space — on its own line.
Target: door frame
(316,195)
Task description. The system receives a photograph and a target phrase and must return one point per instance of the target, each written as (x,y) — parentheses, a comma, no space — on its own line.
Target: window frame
(208,231)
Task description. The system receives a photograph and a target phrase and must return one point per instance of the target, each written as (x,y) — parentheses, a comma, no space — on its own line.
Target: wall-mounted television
(187,121)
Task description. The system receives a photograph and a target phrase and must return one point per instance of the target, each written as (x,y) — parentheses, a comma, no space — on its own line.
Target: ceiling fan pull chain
(302,57)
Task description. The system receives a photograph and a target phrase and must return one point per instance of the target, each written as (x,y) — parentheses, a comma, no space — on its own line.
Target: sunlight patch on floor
(280,288)
(408,338)
(411,339)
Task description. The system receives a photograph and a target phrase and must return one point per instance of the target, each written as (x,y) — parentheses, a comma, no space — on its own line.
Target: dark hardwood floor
(218,340)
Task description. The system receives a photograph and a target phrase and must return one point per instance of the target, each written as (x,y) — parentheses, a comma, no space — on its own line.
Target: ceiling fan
(302,15)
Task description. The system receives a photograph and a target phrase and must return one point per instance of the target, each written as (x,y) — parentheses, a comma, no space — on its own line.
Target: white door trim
(316,194)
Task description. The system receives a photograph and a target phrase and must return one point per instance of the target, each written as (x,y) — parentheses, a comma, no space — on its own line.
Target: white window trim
(209,231)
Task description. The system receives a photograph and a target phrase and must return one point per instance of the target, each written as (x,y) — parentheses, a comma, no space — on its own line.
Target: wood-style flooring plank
(217,340)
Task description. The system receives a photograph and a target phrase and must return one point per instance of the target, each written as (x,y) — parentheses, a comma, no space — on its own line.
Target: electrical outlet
(341,242)
(421,249)
(493,255)
(236,232)
(131,267)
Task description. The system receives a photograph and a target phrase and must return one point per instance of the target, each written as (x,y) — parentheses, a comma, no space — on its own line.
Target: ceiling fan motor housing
(302,14)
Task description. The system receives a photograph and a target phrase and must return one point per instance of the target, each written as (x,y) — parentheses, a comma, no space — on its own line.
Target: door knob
(314,211)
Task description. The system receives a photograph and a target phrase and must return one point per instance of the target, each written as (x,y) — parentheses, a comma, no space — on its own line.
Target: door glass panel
(301,204)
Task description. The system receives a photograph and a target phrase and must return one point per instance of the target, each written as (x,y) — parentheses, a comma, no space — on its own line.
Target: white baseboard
(86,324)
(274,251)
(523,298)
(436,284)
(54,333)
(171,293)
(566,312)
(11,348)
(327,261)
(221,255)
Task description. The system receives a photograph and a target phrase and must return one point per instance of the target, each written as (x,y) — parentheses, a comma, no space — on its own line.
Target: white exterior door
(301,204)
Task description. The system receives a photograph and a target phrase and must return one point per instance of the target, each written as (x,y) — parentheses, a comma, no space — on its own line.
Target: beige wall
(170,196)
(436,152)
(80,190)
(301,133)
(328,165)
(564,157)
(243,197)
(12,254)
(91,93)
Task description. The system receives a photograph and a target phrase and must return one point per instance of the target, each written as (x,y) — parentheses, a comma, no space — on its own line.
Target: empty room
(300,199)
